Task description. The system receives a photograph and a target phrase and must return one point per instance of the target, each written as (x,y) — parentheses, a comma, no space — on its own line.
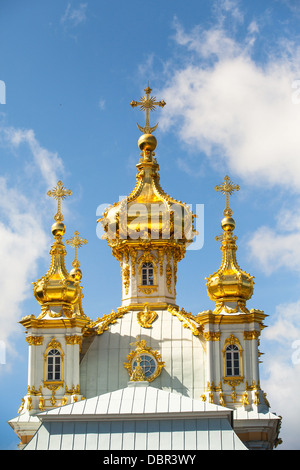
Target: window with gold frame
(232,360)
(53,363)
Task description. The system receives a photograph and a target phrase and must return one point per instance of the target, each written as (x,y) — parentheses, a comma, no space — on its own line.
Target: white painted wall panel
(102,368)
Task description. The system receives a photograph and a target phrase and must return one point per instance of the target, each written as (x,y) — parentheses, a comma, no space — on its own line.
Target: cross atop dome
(148,103)
(227,188)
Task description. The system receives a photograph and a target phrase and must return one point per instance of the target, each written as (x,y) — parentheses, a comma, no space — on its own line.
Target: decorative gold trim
(212,335)
(33,391)
(169,275)
(73,391)
(126,278)
(148,290)
(254,386)
(187,319)
(35,340)
(249,335)
(74,339)
(145,318)
(142,348)
(102,324)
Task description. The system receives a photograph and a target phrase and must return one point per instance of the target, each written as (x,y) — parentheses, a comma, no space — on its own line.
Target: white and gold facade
(211,357)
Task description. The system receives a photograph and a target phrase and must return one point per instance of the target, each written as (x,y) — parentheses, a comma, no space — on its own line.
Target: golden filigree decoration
(146,317)
(74,339)
(187,319)
(33,391)
(35,340)
(212,335)
(249,335)
(102,324)
(148,290)
(59,192)
(21,407)
(73,391)
(169,275)
(140,349)
(147,103)
(126,278)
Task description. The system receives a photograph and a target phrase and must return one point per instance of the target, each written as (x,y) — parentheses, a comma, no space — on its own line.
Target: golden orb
(147,142)
(228,224)
(76,274)
(58,229)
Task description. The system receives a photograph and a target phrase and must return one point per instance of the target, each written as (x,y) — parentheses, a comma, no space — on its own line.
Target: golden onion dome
(58,291)
(229,283)
(148,213)
(57,286)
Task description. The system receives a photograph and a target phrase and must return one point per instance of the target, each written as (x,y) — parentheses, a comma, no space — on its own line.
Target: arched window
(147,274)
(54,371)
(232,361)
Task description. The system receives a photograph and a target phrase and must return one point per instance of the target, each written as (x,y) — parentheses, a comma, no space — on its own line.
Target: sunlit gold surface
(148,213)
(230,283)
(59,288)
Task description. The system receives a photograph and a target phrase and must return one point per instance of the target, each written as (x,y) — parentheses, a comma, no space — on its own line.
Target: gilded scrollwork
(146,317)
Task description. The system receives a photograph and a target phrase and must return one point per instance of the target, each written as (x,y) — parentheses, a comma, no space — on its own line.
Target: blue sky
(229,73)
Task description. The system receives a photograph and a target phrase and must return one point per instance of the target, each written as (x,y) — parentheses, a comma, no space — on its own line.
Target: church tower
(232,334)
(148,230)
(55,335)
(148,375)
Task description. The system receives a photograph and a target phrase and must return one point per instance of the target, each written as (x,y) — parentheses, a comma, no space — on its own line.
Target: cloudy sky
(229,73)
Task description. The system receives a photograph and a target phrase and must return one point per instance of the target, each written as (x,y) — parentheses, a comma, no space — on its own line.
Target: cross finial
(59,192)
(76,242)
(147,104)
(227,188)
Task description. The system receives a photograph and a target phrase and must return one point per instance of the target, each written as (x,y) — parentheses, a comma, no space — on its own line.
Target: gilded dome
(229,283)
(58,291)
(57,286)
(148,213)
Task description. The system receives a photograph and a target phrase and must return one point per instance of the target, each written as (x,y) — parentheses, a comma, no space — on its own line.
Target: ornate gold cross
(227,188)
(76,242)
(147,104)
(59,192)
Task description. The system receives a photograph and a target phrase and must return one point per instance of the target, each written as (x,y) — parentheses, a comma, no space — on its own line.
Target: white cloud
(74,16)
(283,370)
(24,240)
(223,103)
(101,104)
(278,247)
(47,162)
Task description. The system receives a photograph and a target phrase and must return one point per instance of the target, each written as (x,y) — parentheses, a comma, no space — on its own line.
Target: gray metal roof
(134,418)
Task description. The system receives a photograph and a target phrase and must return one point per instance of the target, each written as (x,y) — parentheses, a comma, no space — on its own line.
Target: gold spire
(147,104)
(230,284)
(57,291)
(76,242)
(161,216)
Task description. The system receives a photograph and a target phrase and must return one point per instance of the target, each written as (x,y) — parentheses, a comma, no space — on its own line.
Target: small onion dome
(57,286)
(230,283)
